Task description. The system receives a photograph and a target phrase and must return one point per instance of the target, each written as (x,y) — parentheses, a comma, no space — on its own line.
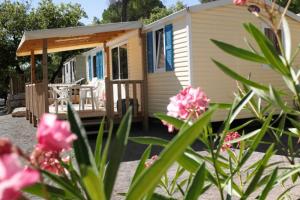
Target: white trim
(99,48)
(190,46)
(119,64)
(155,60)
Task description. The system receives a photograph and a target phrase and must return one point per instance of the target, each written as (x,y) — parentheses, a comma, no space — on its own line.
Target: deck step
(91,125)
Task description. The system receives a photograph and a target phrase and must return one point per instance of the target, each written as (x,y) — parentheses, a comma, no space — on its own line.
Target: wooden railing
(35,101)
(120,94)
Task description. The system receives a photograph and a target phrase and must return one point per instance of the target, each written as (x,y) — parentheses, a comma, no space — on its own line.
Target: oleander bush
(228,163)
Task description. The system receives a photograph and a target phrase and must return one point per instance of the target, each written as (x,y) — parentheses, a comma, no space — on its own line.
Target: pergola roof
(72,38)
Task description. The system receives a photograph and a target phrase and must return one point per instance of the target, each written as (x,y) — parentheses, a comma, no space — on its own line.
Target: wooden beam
(107,55)
(33,81)
(32,63)
(145,79)
(45,75)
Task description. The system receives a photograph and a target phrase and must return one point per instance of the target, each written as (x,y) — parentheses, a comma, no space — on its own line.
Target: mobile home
(150,63)
(74,69)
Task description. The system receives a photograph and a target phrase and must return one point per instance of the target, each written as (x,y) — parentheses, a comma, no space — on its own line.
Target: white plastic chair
(98,89)
(62,96)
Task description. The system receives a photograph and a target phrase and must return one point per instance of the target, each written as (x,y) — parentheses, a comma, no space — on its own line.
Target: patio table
(86,88)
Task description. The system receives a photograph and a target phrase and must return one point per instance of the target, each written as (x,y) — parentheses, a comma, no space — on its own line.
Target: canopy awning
(72,38)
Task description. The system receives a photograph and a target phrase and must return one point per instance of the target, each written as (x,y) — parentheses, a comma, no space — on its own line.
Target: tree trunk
(124,10)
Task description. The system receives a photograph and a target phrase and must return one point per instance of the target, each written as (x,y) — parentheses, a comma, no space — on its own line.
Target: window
(119,62)
(94,66)
(159,50)
(272,37)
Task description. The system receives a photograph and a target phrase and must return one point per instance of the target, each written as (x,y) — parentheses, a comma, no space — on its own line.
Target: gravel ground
(22,134)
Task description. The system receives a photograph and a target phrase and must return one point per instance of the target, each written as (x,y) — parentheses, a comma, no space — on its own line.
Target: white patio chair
(98,99)
(62,96)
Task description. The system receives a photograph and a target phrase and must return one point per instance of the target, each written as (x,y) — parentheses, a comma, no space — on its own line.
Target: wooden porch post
(45,75)
(145,80)
(32,117)
(107,84)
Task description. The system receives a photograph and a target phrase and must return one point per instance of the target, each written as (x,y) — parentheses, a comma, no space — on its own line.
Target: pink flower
(229,137)
(151,161)
(189,103)
(53,134)
(6,146)
(48,160)
(13,177)
(240,2)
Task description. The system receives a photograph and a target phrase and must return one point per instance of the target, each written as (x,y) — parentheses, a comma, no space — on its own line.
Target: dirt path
(19,131)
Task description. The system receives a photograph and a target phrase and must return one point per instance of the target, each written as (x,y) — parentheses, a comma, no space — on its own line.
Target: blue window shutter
(150,52)
(169,47)
(100,65)
(90,68)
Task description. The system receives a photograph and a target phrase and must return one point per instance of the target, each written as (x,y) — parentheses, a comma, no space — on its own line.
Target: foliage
(128,10)
(160,12)
(16,17)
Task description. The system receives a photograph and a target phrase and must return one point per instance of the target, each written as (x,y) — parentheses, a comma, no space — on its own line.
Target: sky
(96,7)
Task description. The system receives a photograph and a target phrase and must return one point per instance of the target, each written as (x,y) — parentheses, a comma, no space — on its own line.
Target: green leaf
(141,166)
(93,185)
(287,174)
(287,40)
(258,172)
(150,177)
(240,53)
(149,140)
(275,96)
(65,184)
(47,191)
(105,151)
(267,48)
(245,137)
(237,109)
(269,186)
(118,146)
(238,77)
(83,152)
(99,141)
(197,185)
(170,120)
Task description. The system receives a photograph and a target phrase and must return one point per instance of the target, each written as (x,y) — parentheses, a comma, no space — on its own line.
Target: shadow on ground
(156,129)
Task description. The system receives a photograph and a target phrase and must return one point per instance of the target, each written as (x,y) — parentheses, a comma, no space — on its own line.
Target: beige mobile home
(144,65)
(192,52)
(74,69)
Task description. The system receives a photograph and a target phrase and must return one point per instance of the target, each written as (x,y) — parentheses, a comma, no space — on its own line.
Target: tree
(158,13)
(294,7)
(16,17)
(128,10)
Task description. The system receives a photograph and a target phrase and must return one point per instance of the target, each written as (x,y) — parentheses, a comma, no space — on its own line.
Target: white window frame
(156,69)
(119,64)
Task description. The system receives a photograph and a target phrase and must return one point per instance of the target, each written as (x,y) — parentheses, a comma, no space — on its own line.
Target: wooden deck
(120,95)
(87,113)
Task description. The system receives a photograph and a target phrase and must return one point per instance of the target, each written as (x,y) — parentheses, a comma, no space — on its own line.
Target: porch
(120,94)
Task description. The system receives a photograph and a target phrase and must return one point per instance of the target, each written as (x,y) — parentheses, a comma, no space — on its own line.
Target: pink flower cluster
(48,160)
(188,103)
(229,137)
(151,161)
(54,136)
(240,2)
(13,177)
